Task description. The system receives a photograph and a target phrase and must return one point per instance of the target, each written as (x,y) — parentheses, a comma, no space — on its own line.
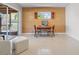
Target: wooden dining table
(48,29)
(43,27)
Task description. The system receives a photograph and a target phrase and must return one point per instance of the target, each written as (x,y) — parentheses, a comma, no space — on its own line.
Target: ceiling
(43,4)
(3,9)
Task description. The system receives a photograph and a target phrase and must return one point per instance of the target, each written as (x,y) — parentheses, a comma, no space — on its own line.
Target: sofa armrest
(5,47)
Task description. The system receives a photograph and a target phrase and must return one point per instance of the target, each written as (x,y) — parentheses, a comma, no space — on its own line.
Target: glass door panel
(8,22)
(12,23)
(3,21)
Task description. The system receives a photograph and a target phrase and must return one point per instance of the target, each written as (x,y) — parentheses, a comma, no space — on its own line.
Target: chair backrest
(53,26)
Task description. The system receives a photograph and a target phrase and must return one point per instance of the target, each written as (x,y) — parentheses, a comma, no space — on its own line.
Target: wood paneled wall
(28,18)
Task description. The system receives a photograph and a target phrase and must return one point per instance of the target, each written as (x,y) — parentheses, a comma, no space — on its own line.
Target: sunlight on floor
(59,45)
(44,51)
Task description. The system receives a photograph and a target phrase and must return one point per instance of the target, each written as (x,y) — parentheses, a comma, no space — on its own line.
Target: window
(44,15)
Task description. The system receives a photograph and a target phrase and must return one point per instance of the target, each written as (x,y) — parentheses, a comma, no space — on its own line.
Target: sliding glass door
(13,25)
(8,22)
(3,21)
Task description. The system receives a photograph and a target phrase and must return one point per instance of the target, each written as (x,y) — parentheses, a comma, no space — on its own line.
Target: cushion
(1,38)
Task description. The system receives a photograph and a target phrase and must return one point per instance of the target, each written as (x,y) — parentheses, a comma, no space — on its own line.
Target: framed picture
(44,15)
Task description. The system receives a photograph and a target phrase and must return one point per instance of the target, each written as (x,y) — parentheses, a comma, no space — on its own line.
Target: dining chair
(36,31)
(53,30)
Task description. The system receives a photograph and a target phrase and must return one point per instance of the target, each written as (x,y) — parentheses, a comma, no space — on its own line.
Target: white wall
(19,9)
(72,20)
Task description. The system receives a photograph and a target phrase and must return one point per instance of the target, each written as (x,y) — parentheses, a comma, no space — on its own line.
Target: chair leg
(35,34)
(53,33)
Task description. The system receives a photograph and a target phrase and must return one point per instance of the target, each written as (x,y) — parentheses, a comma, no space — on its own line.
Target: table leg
(3,37)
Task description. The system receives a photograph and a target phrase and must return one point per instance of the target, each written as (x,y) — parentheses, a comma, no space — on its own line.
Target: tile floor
(61,44)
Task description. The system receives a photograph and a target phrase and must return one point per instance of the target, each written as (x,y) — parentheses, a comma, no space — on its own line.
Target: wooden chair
(36,31)
(51,31)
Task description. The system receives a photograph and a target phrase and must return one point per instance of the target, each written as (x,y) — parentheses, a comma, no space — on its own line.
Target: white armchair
(20,44)
(5,47)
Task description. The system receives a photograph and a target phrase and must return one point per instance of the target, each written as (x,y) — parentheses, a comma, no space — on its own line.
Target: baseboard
(44,33)
(27,33)
(72,36)
(60,33)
